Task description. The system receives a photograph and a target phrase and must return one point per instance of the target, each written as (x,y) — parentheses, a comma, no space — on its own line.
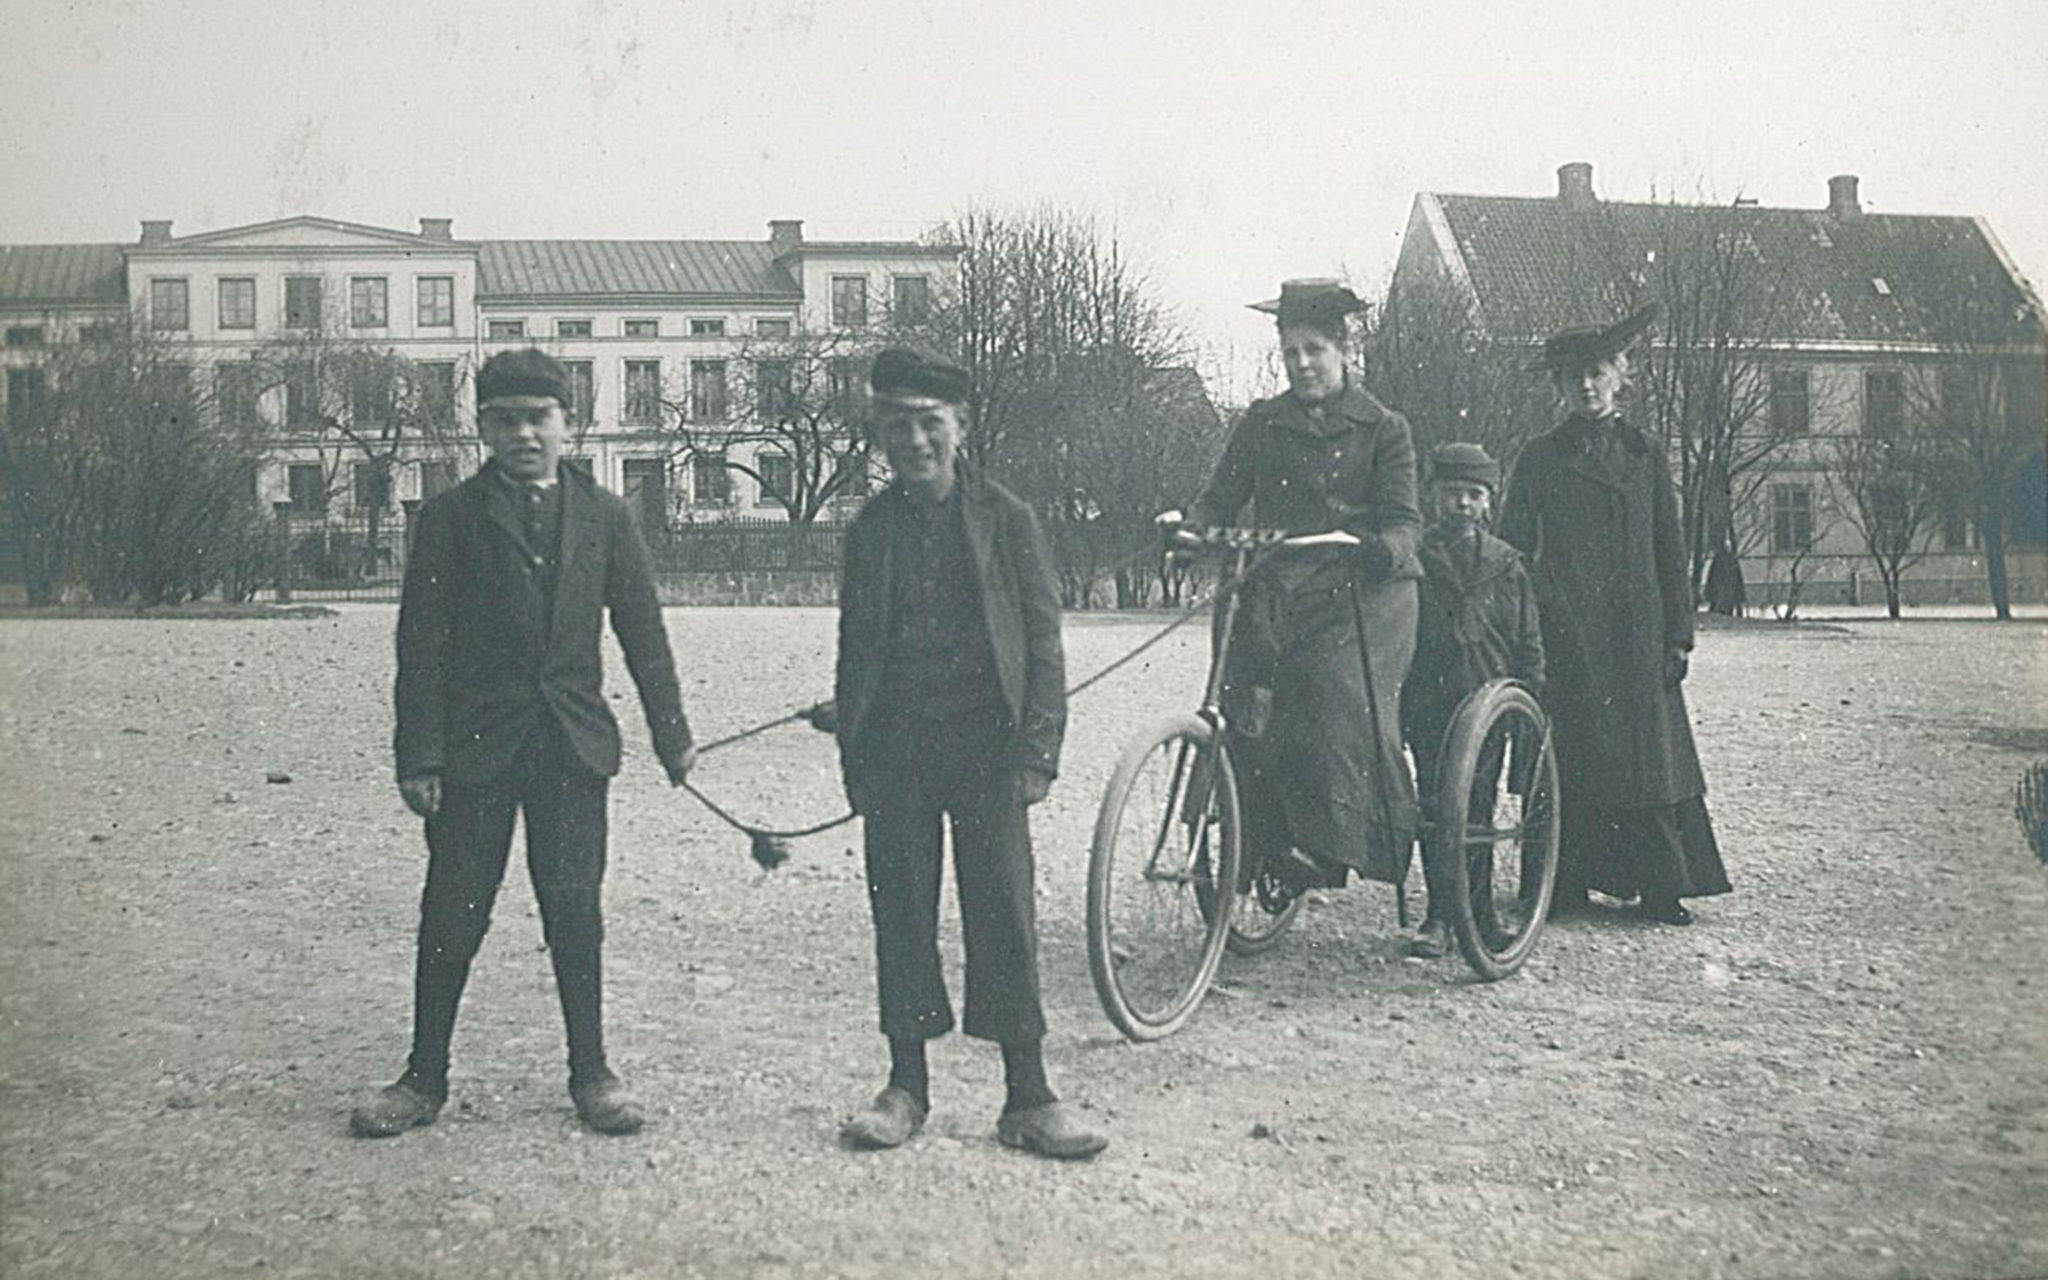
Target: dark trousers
(468,842)
(959,769)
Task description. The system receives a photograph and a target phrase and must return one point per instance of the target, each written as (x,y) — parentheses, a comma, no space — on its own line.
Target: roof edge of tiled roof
(1820,211)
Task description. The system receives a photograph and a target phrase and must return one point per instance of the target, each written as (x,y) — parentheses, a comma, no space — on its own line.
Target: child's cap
(1463,463)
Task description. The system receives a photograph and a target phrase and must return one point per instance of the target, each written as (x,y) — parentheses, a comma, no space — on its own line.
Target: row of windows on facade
(369,307)
(646,483)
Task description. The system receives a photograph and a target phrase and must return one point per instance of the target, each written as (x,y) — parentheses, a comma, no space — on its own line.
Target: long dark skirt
(1323,769)
(1664,851)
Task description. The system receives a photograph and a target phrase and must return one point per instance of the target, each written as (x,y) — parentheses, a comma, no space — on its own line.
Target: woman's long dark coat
(1592,508)
(1316,776)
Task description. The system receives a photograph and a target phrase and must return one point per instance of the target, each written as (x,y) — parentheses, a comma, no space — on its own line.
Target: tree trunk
(1891,591)
(1991,531)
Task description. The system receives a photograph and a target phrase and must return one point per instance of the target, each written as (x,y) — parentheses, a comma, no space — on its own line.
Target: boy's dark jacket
(482,663)
(1013,568)
(1474,626)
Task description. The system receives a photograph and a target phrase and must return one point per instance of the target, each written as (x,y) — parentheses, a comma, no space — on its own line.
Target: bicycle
(1170,889)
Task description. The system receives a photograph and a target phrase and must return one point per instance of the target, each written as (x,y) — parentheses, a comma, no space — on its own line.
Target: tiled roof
(67,273)
(547,268)
(1538,265)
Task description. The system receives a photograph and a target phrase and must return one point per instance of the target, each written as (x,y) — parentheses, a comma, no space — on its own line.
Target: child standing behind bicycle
(1477,622)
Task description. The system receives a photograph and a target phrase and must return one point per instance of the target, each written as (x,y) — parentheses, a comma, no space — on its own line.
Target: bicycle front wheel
(1497,826)
(1165,840)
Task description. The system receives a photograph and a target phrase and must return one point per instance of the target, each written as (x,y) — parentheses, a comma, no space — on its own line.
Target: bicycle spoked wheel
(1266,905)
(1166,838)
(1498,821)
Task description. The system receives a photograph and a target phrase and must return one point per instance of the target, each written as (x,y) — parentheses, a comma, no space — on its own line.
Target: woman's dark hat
(1584,344)
(905,373)
(1463,463)
(1318,301)
(531,372)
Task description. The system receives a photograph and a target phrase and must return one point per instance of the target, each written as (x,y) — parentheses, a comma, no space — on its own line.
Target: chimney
(437,228)
(785,234)
(156,231)
(1842,201)
(1575,186)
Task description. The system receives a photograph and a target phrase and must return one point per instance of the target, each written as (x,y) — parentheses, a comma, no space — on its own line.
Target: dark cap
(1585,344)
(1316,301)
(1464,463)
(902,373)
(531,372)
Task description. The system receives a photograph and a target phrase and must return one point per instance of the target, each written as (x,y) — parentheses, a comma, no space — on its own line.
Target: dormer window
(1883,287)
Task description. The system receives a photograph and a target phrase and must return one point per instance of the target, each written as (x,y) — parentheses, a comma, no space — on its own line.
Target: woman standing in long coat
(1325,787)
(1591,505)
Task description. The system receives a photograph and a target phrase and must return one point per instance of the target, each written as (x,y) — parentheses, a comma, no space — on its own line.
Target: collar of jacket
(1353,406)
(970,487)
(1442,564)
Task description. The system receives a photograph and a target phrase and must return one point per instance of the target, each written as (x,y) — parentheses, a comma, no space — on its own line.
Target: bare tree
(1454,375)
(1985,394)
(1065,339)
(124,477)
(1893,484)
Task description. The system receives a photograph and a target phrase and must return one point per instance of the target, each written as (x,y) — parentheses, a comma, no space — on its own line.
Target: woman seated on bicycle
(1325,635)
(1478,623)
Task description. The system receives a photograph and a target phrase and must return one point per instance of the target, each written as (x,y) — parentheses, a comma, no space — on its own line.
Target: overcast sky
(1231,144)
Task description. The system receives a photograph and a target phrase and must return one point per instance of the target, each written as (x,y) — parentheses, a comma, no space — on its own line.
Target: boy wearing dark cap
(1477,622)
(950,707)
(501,714)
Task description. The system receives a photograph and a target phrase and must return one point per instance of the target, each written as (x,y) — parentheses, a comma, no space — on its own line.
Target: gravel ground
(1840,1071)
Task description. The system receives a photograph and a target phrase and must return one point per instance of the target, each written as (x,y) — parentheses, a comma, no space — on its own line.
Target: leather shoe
(396,1108)
(1666,911)
(1431,942)
(891,1120)
(1050,1130)
(606,1106)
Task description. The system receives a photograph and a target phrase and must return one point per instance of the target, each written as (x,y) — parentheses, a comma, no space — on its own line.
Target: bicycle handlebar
(1234,538)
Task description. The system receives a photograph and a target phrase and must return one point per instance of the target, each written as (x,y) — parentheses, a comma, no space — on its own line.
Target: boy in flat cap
(1477,622)
(950,706)
(500,713)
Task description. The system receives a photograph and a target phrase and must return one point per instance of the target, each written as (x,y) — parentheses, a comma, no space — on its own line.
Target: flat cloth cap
(1463,463)
(530,372)
(1584,344)
(906,373)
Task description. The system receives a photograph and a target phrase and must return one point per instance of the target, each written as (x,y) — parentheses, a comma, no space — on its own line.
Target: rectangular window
(437,392)
(582,391)
(572,328)
(771,328)
(645,481)
(771,389)
(505,329)
(237,303)
(306,486)
(301,400)
(370,489)
(1791,519)
(643,392)
(237,389)
(708,401)
(1791,409)
(369,302)
(302,302)
(1884,402)
(25,335)
(170,305)
(436,301)
(643,328)
(913,302)
(707,328)
(710,482)
(24,396)
(843,380)
(369,396)
(778,479)
(855,479)
(850,302)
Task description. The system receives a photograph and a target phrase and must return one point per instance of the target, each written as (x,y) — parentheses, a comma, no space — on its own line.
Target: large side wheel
(1166,838)
(1497,826)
